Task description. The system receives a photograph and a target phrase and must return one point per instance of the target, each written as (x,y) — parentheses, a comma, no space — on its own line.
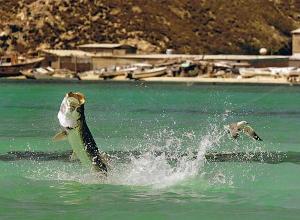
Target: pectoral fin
(60,136)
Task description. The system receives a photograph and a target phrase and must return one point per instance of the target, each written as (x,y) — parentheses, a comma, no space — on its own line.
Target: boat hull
(15,69)
(149,73)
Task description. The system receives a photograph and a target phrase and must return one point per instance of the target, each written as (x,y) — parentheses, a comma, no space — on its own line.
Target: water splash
(149,169)
(156,171)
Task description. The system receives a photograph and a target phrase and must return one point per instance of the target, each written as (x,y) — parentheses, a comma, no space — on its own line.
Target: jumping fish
(72,120)
(235,128)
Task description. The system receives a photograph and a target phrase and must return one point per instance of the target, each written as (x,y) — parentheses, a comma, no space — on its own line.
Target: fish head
(71,110)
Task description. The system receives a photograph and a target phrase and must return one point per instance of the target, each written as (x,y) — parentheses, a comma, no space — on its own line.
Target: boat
(88,75)
(12,65)
(275,72)
(291,74)
(189,69)
(48,73)
(284,71)
(154,72)
(120,72)
(112,72)
(253,72)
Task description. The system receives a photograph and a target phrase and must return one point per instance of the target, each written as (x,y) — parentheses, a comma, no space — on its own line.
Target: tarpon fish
(72,120)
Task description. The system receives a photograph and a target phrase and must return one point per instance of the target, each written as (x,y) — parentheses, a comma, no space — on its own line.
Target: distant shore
(166,80)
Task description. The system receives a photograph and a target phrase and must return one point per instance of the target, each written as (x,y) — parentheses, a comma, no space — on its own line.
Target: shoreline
(263,81)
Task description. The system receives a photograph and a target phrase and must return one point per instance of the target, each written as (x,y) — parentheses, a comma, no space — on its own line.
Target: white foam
(148,169)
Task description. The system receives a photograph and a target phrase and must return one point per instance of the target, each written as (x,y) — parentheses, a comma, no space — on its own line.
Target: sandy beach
(258,80)
(167,80)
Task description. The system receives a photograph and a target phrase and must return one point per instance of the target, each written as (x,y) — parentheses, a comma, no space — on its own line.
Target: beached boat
(276,72)
(120,72)
(88,75)
(189,69)
(159,71)
(48,73)
(12,66)
(109,73)
(253,72)
(284,71)
(292,74)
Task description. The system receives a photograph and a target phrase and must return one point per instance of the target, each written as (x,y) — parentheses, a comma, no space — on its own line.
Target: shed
(75,60)
(108,49)
(296,41)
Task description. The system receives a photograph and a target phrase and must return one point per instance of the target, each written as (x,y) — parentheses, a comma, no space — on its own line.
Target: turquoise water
(147,117)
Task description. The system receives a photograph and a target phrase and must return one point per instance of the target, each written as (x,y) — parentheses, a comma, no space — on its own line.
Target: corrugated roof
(206,57)
(68,53)
(297,31)
(96,45)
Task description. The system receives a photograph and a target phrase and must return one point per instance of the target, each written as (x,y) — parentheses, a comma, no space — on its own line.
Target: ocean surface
(174,119)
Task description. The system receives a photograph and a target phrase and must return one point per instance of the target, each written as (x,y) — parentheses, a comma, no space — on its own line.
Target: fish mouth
(78,96)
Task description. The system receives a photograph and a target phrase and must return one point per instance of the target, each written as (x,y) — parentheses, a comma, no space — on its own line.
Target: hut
(74,60)
(108,49)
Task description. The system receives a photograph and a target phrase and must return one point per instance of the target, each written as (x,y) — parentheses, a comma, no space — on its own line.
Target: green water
(145,117)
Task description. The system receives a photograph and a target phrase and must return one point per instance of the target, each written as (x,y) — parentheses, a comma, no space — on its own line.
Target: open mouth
(78,96)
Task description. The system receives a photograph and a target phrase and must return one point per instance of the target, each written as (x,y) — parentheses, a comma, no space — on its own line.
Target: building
(75,60)
(294,60)
(87,56)
(108,49)
(296,41)
(96,56)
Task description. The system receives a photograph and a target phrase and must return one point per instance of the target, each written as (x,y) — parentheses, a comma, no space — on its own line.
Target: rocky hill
(188,26)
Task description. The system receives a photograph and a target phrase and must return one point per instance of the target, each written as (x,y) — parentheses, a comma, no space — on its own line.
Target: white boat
(252,72)
(269,71)
(158,71)
(88,75)
(284,71)
(120,72)
(48,74)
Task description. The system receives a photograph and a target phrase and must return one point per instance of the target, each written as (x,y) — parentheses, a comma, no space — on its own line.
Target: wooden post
(59,65)
(75,64)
